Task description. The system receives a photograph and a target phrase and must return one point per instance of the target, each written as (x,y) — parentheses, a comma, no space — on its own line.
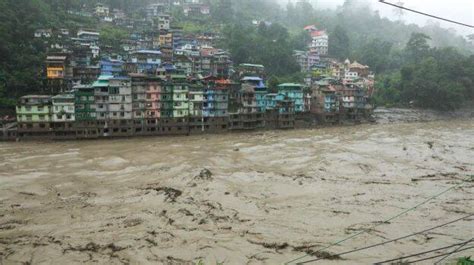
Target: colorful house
(57,73)
(253,95)
(111,67)
(34,116)
(120,99)
(144,61)
(63,108)
(34,109)
(152,101)
(247,69)
(196,100)
(293,92)
(101,93)
(279,102)
(180,97)
(84,103)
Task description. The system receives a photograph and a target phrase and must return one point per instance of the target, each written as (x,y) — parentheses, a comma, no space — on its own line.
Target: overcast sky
(458,10)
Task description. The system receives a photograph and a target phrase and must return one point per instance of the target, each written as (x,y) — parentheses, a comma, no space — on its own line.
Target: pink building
(152,105)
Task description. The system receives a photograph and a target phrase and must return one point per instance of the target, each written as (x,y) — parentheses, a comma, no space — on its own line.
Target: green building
(84,101)
(34,108)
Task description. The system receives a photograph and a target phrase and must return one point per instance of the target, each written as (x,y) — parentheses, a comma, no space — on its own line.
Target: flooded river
(256,198)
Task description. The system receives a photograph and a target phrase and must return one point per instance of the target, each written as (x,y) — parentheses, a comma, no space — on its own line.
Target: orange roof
(223,82)
(318,33)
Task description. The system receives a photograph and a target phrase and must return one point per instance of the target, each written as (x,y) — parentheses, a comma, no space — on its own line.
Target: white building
(319,42)
(306,59)
(154,10)
(88,35)
(120,99)
(43,33)
(102,10)
(164,22)
(63,108)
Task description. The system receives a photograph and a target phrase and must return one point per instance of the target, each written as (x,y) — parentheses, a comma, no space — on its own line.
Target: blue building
(111,67)
(145,61)
(277,101)
(259,89)
(295,93)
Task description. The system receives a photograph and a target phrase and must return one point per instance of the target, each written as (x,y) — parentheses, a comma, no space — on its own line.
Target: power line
(380,223)
(424,252)
(449,254)
(393,240)
(425,14)
(437,256)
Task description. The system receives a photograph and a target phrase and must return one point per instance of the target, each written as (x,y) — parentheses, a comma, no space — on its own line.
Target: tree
(223,12)
(376,53)
(112,36)
(339,43)
(417,47)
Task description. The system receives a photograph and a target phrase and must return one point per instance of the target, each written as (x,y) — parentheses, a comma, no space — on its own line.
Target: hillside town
(163,81)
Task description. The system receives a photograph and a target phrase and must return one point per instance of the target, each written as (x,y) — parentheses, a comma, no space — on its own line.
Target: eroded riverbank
(269,197)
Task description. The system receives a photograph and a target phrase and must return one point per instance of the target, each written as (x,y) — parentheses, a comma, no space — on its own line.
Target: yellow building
(55,72)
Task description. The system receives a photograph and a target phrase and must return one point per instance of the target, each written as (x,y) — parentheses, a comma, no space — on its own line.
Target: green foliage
(465,261)
(267,45)
(430,78)
(417,47)
(339,43)
(387,93)
(376,54)
(112,36)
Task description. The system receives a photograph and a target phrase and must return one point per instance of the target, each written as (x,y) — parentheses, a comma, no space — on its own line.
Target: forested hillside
(412,63)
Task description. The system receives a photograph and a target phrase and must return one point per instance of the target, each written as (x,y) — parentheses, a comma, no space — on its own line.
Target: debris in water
(430,144)
(132,222)
(170,193)
(205,174)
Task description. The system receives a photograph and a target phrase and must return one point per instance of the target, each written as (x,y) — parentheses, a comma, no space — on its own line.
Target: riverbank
(393,115)
(254,198)
(9,132)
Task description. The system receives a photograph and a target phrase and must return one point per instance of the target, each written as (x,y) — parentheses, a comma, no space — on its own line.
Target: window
(41,117)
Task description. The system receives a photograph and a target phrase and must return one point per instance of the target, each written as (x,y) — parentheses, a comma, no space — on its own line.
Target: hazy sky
(458,10)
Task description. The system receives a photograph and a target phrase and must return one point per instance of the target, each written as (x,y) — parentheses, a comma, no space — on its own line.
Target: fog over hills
(458,10)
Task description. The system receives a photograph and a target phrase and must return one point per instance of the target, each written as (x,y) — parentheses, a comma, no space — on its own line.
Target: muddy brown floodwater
(257,198)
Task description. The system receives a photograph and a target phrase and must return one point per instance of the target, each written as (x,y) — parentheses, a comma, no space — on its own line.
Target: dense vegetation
(429,66)
(439,78)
